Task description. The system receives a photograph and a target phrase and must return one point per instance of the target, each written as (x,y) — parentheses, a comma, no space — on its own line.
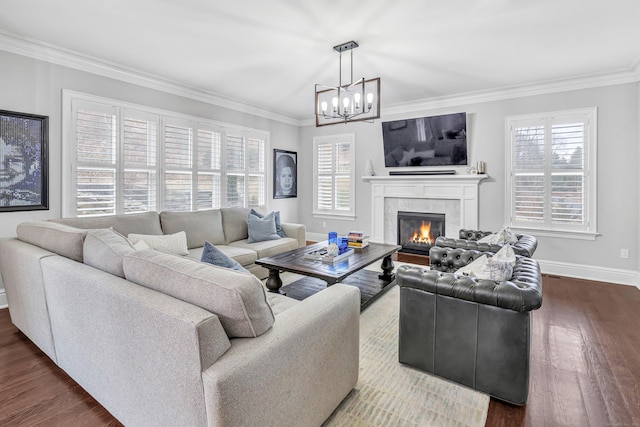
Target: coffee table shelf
(330,273)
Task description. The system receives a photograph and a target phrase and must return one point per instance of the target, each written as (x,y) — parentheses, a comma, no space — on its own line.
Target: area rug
(391,394)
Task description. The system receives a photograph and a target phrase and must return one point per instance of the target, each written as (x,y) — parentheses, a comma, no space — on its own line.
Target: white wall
(617,171)
(32,86)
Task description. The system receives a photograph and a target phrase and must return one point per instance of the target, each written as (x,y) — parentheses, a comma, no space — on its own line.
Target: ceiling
(269,54)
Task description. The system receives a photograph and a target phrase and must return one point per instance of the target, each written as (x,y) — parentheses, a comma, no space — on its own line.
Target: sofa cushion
(279,231)
(172,243)
(266,248)
(261,229)
(200,226)
(280,303)
(142,223)
(59,238)
(238,299)
(234,223)
(104,250)
(215,256)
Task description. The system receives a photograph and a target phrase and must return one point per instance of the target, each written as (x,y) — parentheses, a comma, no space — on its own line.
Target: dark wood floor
(585,367)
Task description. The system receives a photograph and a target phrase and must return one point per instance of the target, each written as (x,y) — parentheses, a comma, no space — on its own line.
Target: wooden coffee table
(320,274)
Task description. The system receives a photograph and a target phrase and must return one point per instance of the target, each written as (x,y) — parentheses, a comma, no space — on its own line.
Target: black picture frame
(285,159)
(24,162)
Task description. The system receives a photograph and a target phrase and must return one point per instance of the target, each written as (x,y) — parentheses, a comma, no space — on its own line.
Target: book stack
(358,240)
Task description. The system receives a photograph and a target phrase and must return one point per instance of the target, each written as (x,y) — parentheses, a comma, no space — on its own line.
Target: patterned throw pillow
(498,268)
(213,255)
(504,236)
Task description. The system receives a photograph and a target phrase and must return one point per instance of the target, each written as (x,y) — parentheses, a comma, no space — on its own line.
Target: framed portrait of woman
(23,161)
(285,170)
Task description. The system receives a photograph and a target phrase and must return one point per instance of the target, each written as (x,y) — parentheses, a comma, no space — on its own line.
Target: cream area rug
(391,394)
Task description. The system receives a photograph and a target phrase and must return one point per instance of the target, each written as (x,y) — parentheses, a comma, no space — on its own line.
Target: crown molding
(60,56)
(53,54)
(631,75)
(520,91)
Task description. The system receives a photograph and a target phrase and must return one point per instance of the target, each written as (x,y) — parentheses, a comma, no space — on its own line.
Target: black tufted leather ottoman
(468,239)
(474,332)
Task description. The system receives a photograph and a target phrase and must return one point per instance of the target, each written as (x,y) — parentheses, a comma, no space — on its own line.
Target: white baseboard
(590,272)
(3,299)
(316,237)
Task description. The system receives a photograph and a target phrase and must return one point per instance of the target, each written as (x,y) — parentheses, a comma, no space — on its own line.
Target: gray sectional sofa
(160,339)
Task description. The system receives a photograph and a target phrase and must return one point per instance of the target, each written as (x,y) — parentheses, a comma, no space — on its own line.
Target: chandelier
(348,102)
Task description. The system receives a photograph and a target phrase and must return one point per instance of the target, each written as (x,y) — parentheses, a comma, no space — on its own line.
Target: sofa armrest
(139,352)
(522,292)
(296,231)
(295,374)
(468,239)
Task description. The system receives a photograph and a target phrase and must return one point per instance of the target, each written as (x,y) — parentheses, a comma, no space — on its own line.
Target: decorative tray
(321,255)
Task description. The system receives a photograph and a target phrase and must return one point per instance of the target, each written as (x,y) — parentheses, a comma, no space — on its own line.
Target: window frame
(71,100)
(334,140)
(548,228)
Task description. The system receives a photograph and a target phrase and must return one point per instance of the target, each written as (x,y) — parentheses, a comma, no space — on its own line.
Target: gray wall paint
(618,140)
(33,86)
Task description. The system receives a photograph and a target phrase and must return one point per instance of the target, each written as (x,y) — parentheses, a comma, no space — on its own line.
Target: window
(128,159)
(551,167)
(334,167)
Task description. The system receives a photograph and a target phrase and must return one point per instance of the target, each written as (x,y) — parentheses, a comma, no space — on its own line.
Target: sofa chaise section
(155,357)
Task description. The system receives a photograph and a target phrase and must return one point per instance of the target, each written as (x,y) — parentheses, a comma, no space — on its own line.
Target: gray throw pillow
(279,230)
(213,255)
(261,229)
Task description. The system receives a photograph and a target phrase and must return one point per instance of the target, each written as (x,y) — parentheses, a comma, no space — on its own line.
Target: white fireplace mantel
(463,188)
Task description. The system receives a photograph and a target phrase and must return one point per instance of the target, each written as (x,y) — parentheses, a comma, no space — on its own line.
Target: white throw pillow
(141,245)
(172,243)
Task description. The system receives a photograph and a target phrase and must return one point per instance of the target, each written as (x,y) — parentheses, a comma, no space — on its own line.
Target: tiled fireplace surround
(456,196)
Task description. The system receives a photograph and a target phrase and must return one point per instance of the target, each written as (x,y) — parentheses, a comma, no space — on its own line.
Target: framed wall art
(23,161)
(285,171)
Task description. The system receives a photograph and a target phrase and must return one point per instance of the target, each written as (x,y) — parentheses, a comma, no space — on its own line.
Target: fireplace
(417,231)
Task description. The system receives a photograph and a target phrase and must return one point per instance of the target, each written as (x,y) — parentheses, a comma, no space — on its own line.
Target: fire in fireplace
(417,231)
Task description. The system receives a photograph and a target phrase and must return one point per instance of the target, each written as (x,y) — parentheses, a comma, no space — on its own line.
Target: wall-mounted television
(426,141)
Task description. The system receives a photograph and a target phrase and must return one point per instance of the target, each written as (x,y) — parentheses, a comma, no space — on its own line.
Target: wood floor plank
(585,358)
(585,367)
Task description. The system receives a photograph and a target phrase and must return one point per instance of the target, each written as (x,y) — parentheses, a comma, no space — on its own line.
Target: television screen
(426,141)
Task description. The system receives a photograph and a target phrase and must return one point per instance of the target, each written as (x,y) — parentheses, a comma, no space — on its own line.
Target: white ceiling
(269,54)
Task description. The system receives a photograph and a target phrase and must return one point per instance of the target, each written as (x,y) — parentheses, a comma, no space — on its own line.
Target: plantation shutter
(178,151)
(96,136)
(325,176)
(256,186)
(128,159)
(140,144)
(567,171)
(342,185)
(334,166)
(209,168)
(529,171)
(551,186)
(235,170)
